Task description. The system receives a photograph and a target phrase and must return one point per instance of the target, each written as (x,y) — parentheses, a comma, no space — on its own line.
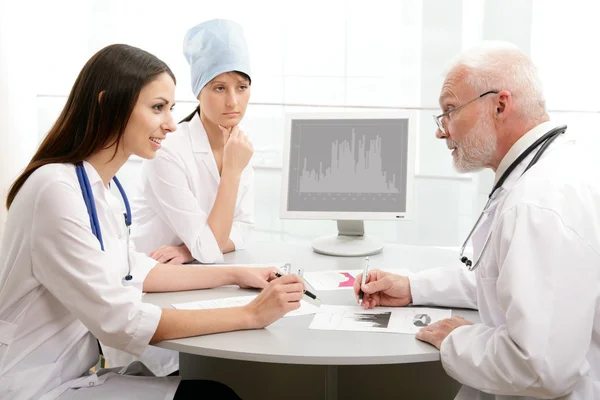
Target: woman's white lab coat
(59,292)
(178,191)
(537,288)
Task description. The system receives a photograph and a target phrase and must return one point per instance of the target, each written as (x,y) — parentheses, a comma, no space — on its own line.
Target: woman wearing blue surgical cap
(196,199)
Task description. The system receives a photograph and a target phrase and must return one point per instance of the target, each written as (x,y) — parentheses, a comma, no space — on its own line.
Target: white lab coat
(59,291)
(537,288)
(177,193)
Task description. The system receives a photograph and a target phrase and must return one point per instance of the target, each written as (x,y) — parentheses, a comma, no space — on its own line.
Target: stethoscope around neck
(543,143)
(88,198)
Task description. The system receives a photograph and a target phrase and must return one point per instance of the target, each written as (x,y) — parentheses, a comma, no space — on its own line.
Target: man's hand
(437,332)
(383,289)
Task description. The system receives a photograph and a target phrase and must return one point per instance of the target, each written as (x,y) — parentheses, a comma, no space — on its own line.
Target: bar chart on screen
(356,165)
(353,160)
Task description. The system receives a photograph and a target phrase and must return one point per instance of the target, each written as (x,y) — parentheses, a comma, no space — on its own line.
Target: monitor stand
(349,242)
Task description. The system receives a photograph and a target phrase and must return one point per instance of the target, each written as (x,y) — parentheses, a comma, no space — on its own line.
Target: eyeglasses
(438,118)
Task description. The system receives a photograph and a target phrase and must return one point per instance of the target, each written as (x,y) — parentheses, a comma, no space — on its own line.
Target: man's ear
(504,102)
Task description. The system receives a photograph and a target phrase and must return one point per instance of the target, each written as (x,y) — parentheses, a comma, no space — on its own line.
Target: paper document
(249,265)
(331,280)
(379,319)
(284,267)
(306,308)
(339,279)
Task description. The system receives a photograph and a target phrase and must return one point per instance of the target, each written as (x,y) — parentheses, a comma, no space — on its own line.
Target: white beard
(477,148)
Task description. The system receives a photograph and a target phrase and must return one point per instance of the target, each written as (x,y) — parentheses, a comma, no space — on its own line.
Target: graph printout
(331,280)
(380,319)
(342,279)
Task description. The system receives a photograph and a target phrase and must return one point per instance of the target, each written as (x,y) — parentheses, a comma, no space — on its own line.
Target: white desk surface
(288,340)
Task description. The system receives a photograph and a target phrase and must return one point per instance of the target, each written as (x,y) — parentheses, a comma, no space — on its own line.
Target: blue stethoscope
(88,197)
(543,143)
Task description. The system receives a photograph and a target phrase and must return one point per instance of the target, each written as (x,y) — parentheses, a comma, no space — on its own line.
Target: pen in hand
(361,294)
(306,292)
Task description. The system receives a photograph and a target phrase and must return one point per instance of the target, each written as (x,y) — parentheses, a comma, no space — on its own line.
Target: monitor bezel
(412,117)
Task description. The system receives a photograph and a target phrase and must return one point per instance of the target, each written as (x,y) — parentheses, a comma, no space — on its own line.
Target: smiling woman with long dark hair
(68,276)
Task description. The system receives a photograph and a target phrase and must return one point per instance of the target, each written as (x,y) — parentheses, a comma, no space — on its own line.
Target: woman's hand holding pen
(281,296)
(383,289)
(254,277)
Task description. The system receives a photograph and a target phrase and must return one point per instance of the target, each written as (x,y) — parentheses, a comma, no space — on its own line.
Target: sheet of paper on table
(306,308)
(379,319)
(340,279)
(284,267)
(249,265)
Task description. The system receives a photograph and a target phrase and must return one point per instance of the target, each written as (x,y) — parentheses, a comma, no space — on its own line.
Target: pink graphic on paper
(349,282)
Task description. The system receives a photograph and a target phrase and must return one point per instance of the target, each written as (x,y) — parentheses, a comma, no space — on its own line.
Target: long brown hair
(97,109)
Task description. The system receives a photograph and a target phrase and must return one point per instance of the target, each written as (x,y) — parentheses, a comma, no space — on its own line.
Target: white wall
(17,96)
(320,55)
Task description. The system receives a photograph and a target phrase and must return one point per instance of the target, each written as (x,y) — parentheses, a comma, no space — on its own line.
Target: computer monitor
(348,167)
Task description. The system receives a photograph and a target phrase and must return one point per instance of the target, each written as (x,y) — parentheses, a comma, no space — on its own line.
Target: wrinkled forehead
(454,87)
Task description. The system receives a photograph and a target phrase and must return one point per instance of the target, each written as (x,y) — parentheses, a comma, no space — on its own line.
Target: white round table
(287,351)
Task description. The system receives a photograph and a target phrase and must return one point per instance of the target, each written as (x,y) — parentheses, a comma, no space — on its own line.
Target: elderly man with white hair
(535,273)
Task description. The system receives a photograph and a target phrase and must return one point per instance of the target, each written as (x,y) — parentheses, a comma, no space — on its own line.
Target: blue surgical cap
(214,47)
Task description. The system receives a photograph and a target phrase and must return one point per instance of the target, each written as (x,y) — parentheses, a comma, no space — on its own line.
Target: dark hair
(197,109)
(97,109)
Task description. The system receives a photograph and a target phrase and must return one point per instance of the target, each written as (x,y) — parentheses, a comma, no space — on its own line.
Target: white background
(312,55)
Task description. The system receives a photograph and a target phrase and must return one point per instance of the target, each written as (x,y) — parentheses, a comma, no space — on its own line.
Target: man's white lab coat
(537,288)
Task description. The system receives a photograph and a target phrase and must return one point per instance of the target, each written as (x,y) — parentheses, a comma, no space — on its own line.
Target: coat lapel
(201,147)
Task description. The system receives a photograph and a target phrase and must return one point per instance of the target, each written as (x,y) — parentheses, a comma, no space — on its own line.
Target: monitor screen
(348,166)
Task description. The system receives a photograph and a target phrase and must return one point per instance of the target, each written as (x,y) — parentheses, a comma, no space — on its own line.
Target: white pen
(364,280)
